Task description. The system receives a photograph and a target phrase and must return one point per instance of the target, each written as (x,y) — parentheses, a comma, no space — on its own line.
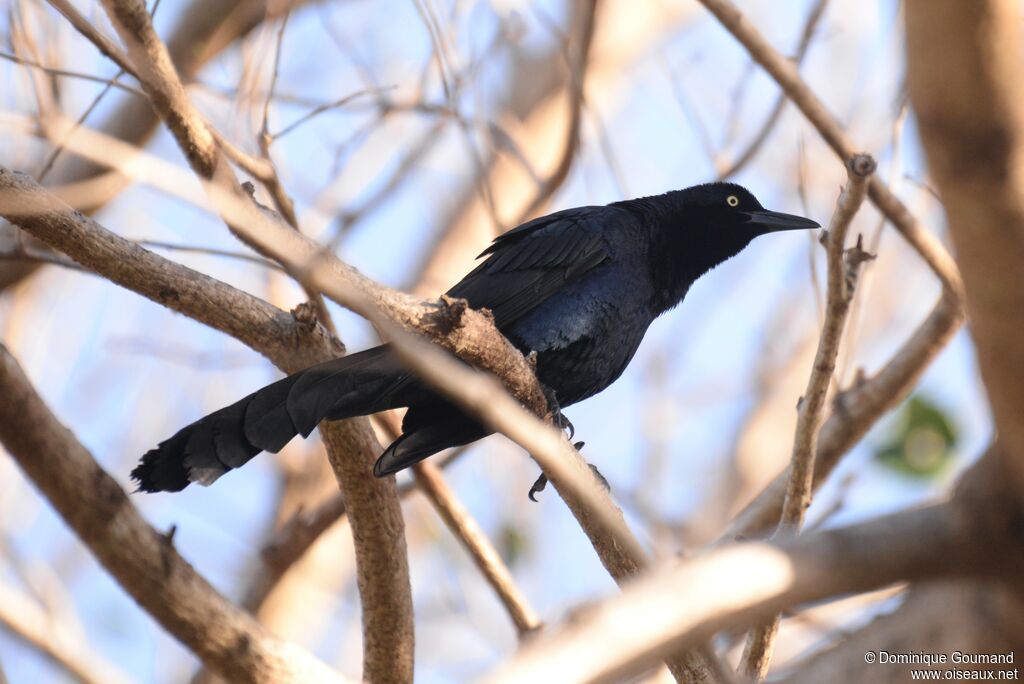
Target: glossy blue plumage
(578,287)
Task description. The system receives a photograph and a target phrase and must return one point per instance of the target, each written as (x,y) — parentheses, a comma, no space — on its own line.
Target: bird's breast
(585,337)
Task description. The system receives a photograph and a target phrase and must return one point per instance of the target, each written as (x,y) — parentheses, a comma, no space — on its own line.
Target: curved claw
(537,487)
(567,425)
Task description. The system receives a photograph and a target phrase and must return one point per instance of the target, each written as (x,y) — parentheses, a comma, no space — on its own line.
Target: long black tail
(354,385)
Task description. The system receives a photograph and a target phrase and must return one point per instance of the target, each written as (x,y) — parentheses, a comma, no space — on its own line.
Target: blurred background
(410,133)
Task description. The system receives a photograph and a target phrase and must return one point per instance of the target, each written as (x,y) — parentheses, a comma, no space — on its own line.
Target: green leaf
(922,442)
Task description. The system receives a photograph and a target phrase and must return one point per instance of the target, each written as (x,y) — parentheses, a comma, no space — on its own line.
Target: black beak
(771,221)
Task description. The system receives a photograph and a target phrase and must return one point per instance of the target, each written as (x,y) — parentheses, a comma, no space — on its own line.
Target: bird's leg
(559,418)
(542,481)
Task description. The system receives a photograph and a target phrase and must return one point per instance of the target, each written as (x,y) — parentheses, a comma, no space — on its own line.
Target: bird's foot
(542,481)
(559,418)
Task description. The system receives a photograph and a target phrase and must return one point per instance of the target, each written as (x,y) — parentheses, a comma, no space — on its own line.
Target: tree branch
(290,341)
(958,56)
(462,525)
(206,28)
(692,599)
(27,621)
(856,408)
(843,267)
(764,132)
(788,78)
(602,521)
(142,560)
(372,503)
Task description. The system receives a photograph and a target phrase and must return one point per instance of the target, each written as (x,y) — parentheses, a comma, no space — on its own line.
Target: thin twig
(576,95)
(348,219)
(863,292)
(112,81)
(271,179)
(488,561)
(788,78)
(859,406)
(842,272)
(213,251)
(757,142)
(86,28)
(81,120)
(317,111)
(47,633)
(430,480)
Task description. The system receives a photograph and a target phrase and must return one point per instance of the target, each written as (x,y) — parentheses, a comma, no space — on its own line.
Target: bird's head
(702,226)
(731,212)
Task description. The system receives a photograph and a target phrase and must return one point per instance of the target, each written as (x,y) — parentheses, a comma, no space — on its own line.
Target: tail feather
(157,473)
(266,423)
(269,418)
(354,385)
(200,452)
(420,442)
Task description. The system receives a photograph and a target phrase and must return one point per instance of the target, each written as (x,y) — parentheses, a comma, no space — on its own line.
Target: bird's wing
(530,263)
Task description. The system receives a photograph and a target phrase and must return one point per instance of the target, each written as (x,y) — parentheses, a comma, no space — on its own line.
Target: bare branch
(113,82)
(958,56)
(692,599)
(576,94)
(142,560)
(855,409)
(316,111)
(431,482)
(988,620)
(373,506)
(842,273)
(206,28)
(764,132)
(601,520)
(86,28)
(858,407)
(288,342)
(45,632)
(841,277)
(788,78)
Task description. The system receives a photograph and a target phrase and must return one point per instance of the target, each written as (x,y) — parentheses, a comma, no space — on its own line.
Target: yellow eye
(732,200)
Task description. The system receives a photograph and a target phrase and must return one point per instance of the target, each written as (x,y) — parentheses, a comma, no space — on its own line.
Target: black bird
(578,287)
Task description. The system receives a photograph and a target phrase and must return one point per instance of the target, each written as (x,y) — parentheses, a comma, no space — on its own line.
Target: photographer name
(956,657)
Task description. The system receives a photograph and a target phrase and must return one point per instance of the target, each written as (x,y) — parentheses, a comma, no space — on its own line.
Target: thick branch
(372,504)
(964,75)
(142,560)
(290,342)
(988,619)
(732,586)
(601,520)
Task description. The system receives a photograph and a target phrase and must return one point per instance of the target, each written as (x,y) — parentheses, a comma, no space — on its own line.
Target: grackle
(578,287)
